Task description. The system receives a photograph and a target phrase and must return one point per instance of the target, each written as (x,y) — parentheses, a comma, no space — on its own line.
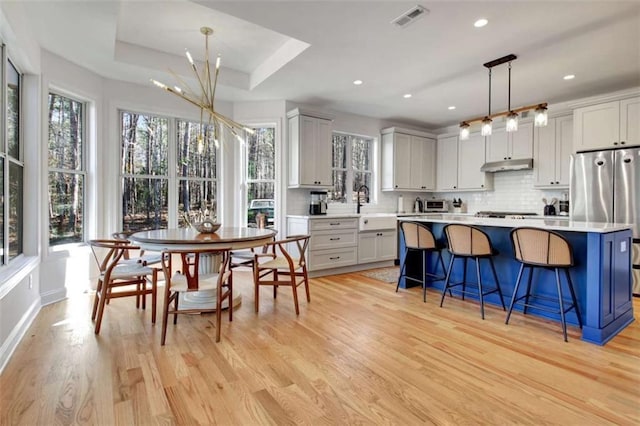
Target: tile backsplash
(513,191)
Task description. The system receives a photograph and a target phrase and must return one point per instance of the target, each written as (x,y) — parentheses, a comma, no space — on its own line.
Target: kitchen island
(601,273)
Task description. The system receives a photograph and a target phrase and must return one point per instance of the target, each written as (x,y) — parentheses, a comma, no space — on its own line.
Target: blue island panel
(601,277)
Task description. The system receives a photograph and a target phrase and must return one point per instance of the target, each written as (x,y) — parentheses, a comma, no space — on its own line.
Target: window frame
(8,160)
(83,171)
(172,178)
(351,171)
(246,181)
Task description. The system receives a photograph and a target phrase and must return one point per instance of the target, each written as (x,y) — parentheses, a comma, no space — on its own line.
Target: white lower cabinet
(376,246)
(333,242)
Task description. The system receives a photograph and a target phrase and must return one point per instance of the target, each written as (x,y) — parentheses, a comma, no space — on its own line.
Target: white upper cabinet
(503,145)
(607,125)
(309,149)
(553,145)
(408,160)
(459,164)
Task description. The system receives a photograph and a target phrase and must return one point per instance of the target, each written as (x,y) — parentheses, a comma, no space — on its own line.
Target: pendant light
(485,130)
(512,117)
(540,118)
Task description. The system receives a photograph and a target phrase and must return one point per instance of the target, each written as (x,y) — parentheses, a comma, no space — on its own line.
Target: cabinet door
(367,247)
(322,160)
(622,279)
(422,163)
(521,142)
(564,149)
(497,145)
(402,161)
(597,126)
(630,121)
(307,142)
(387,245)
(447,163)
(470,160)
(544,160)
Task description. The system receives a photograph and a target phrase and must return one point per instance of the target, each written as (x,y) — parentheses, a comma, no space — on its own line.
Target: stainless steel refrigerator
(605,187)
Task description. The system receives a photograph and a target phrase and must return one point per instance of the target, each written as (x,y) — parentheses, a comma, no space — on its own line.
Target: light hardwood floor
(358,354)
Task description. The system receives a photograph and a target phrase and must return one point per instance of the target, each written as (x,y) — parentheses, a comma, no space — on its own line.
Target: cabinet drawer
(324,224)
(332,258)
(333,239)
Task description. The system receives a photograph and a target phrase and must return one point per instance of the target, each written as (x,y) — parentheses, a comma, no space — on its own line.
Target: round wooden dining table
(234,238)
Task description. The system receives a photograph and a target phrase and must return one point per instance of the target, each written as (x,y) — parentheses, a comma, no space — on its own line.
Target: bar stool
(420,238)
(469,242)
(539,248)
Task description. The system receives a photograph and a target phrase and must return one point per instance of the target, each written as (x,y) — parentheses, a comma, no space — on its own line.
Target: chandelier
(204,100)
(540,110)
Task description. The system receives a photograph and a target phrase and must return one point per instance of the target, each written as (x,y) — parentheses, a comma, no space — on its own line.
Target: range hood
(506,165)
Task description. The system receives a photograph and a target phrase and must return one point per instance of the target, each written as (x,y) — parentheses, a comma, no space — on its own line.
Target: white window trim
(350,171)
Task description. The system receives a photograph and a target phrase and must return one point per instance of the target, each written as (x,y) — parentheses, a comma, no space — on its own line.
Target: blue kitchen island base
(601,273)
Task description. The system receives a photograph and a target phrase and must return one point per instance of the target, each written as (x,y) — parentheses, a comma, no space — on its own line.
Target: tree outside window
(351,165)
(261,175)
(66,170)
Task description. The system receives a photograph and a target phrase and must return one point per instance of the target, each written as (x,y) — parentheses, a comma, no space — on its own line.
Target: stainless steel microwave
(433,206)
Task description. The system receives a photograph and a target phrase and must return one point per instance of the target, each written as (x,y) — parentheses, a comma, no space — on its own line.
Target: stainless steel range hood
(506,165)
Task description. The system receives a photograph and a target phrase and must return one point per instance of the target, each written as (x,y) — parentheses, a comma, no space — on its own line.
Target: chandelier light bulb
(512,122)
(486,127)
(189,56)
(541,117)
(218,62)
(464,131)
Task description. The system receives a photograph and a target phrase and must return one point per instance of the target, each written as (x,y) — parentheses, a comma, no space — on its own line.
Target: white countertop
(556,224)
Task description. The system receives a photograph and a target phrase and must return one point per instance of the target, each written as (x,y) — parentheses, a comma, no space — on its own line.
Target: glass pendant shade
(464,131)
(541,117)
(512,122)
(486,127)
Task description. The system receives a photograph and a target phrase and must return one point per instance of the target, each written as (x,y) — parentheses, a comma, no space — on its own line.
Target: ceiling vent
(410,16)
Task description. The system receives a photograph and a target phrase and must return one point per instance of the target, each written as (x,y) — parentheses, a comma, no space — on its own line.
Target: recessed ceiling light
(452,107)
(480,23)
(357,82)
(569,77)
(407,95)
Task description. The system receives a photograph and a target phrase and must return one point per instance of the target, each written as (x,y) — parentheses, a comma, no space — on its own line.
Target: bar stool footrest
(543,307)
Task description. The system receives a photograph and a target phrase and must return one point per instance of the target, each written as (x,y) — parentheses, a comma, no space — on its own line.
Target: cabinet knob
(454,187)
(509,158)
(481,186)
(396,186)
(504,158)
(557,183)
(621,142)
(615,143)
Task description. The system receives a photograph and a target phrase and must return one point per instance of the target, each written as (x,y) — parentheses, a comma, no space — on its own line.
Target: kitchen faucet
(365,187)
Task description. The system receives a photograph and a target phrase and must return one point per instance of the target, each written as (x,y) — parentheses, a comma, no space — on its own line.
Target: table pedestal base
(206,299)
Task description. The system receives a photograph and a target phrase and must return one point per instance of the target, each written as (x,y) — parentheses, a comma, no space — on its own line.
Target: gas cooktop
(507,215)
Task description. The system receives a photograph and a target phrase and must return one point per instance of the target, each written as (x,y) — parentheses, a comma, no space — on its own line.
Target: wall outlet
(30,281)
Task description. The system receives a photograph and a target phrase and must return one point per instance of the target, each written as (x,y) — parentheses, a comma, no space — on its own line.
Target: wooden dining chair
(190,279)
(120,279)
(277,263)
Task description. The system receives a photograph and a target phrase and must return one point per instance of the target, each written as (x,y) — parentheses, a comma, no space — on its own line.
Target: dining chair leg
(256,287)
(96,300)
(306,283)
(103,297)
(165,314)
(219,311)
(275,287)
(175,307)
(154,294)
(295,293)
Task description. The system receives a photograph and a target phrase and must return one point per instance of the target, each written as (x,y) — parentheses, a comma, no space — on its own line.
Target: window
(66,170)
(196,168)
(261,175)
(11,165)
(352,166)
(145,172)
(150,169)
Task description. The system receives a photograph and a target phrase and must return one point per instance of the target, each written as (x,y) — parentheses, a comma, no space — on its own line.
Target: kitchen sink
(377,221)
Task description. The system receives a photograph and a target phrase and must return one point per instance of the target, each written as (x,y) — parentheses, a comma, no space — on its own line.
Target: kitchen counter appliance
(605,187)
(435,206)
(318,205)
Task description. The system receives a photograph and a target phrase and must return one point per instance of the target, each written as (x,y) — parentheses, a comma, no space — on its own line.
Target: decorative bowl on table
(206,226)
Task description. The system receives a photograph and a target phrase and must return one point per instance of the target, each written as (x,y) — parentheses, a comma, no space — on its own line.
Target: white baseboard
(16,335)
(53,296)
(351,268)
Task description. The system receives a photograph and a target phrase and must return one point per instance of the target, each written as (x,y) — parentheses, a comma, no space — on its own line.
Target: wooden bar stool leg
(561,303)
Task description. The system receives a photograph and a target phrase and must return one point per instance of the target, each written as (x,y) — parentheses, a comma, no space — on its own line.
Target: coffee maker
(318,203)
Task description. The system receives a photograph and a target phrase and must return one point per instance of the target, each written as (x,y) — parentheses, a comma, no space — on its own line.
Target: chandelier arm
(186,98)
(227,121)
(195,71)
(182,82)
(215,80)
